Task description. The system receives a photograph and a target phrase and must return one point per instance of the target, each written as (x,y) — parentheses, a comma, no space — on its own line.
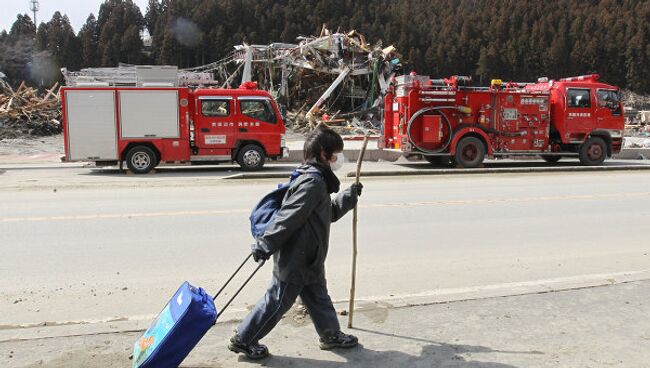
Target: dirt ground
(27,146)
(596,327)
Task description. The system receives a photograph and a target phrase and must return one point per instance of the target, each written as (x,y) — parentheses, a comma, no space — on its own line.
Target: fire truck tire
(551,159)
(141,159)
(593,152)
(251,157)
(444,161)
(470,152)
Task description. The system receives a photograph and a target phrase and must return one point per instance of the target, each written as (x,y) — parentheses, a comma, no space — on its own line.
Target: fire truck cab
(148,126)
(448,120)
(585,113)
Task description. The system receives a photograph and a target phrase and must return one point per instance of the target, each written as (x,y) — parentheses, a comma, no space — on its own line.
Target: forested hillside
(511,40)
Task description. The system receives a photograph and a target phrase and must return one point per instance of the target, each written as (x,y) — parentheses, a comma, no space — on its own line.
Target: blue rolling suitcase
(188,315)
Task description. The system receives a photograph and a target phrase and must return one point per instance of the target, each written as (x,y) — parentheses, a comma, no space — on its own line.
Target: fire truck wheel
(141,159)
(470,152)
(593,151)
(444,161)
(551,159)
(251,157)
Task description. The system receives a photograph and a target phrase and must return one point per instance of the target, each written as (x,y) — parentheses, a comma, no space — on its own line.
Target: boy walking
(298,239)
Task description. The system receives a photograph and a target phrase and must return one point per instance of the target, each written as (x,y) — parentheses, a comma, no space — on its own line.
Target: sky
(77,10)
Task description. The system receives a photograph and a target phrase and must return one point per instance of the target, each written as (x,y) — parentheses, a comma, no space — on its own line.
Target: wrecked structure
(334,77)
(26,112)
(637,120)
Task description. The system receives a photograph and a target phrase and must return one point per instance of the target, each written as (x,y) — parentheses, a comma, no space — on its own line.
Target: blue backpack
(266,210)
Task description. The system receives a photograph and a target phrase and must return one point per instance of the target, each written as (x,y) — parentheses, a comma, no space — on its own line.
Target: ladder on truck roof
(126,75)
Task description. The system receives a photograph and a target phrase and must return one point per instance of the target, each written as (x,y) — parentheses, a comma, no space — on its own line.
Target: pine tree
(17,49)
(154,11)
(114,20)
(89,40)
(62,43)
(22,27)
(41,37)
(131,48)
(483,38)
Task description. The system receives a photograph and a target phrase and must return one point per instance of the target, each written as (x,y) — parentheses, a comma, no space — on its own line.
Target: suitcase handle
(232,276)
(241,287)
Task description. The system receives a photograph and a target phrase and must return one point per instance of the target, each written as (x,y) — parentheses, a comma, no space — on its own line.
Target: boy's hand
(260,255)
(357,188)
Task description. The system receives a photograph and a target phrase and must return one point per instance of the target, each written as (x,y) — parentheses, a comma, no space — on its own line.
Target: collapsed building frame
(325,77)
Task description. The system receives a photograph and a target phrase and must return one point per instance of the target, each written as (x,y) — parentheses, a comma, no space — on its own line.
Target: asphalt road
(110,252)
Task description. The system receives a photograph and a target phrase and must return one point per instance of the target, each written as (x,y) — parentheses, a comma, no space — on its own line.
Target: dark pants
(279,297)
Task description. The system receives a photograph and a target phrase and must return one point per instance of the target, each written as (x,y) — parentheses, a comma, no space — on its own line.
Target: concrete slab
(634,154)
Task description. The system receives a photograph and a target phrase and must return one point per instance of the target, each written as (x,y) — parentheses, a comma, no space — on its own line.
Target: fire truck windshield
(258,109)
(610,99)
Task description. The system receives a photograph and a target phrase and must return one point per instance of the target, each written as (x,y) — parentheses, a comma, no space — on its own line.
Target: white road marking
(378,205)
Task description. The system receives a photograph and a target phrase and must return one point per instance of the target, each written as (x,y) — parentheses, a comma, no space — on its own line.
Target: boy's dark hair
(322,139)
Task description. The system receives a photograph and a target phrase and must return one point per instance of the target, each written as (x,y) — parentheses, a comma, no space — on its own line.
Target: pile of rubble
(26,112)
(636,142)
(637,118)
(635,100)
(335,77)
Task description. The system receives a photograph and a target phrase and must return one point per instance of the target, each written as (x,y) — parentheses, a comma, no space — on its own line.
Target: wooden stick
(354,237)
(50,92)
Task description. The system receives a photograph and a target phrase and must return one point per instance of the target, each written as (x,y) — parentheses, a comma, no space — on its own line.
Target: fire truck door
(214,124)
(579,113)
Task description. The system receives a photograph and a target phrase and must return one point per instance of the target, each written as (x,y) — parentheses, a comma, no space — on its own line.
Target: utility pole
(34,6)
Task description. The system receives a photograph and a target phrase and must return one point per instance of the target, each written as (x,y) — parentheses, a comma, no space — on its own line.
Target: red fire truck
(447,120)
(146,126)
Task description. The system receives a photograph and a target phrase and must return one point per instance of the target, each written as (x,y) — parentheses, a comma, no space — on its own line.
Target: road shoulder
(597,327)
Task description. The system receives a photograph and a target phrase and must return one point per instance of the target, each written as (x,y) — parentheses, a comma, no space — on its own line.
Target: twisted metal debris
(334,77)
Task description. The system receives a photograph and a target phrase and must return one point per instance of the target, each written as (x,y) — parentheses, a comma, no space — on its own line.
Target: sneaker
(338,340)
(253,351)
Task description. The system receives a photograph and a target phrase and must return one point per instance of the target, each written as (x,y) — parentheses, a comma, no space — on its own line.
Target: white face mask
(338,163)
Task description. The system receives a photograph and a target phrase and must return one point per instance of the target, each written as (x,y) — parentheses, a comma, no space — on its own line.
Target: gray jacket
(298,236)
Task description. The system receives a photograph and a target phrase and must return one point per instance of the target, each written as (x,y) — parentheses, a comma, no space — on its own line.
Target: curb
(509,170)
(432,172)
(273,175)
(372,154)
(41,166)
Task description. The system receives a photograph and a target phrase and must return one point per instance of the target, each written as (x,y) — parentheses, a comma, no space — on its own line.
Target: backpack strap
(296,174)
(264,212)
